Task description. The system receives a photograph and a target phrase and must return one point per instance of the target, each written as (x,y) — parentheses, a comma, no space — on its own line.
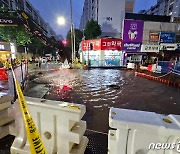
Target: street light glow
(61,21)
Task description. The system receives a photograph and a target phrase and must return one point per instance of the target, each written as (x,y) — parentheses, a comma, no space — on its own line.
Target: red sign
(154,36)
(95,43)
(102,44)
(111,44)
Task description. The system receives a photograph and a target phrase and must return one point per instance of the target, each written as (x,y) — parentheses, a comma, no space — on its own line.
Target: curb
(150,77)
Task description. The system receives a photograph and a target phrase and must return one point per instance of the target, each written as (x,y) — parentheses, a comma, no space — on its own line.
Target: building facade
(109,14)
(158,40)
(26,6)
(164,7)
(104,52)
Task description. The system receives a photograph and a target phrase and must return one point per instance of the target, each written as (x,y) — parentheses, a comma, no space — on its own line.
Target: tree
(36,46)
(17,33)
(92,29)
(78,38)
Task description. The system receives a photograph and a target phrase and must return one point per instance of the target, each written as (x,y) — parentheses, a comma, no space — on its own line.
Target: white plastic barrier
(158,69)
(131,65)
(59,124)
(139,132)
(154,67)
(6,122)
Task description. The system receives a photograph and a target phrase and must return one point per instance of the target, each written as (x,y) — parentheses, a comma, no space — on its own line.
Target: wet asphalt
(99,90)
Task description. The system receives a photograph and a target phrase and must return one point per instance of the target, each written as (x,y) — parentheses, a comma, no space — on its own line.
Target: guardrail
(167,66)
(20,72)
(6,121)
(142,132)
(59,124)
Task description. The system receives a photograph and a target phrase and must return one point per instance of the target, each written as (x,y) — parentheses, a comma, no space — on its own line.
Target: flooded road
(100,89)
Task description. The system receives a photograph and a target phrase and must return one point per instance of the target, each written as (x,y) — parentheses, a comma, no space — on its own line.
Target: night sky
(51,9)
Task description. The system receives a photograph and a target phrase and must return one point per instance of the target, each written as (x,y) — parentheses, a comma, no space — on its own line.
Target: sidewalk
(97,140)
(44,67)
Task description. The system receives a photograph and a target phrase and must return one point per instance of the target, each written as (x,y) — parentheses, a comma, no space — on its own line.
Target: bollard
(59,124)
(137,132)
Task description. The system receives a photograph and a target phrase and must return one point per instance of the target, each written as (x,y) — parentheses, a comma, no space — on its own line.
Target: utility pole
(72,46)
(74,39)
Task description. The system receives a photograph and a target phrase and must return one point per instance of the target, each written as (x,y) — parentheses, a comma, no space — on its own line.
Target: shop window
(112,60)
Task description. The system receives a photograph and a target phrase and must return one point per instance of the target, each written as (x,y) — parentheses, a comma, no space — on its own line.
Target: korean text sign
(154,37)
(166,37)
(150,48)
(111,44)
(102,44)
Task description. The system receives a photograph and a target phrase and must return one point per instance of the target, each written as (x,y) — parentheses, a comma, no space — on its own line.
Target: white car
(44,59)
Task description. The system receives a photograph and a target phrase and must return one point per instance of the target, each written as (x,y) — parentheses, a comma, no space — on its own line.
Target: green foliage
(18,33)
(92,29)
(36,43)
(78,38)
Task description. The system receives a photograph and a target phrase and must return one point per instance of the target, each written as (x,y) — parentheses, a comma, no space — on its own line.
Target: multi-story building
(165,7)
(109,14)
(26,6)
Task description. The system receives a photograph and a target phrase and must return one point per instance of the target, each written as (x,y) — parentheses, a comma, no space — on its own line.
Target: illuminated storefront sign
(86,44)
(154,37)
(4,46)
(132,47)
(133,31)
(150,48)
(170,46)
(166,37)
(132,35)
(5,51)
(8,21)
(111,44)
(1,47)
(102,44)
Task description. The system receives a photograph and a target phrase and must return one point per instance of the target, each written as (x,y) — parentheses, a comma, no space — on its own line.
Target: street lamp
(62,21)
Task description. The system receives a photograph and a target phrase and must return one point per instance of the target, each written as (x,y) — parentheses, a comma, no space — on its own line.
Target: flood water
(101,89)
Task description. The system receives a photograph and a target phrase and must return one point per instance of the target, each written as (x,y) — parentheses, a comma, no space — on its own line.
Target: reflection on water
(101,89)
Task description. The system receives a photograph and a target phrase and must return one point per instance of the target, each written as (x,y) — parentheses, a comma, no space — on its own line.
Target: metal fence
(20,73)
(167,66)
(176,69)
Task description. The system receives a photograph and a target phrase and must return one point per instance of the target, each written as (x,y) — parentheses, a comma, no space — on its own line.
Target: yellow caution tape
(74,107)
(36,144)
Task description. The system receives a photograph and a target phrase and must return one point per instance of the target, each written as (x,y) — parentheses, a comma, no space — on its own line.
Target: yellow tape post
(36,144)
